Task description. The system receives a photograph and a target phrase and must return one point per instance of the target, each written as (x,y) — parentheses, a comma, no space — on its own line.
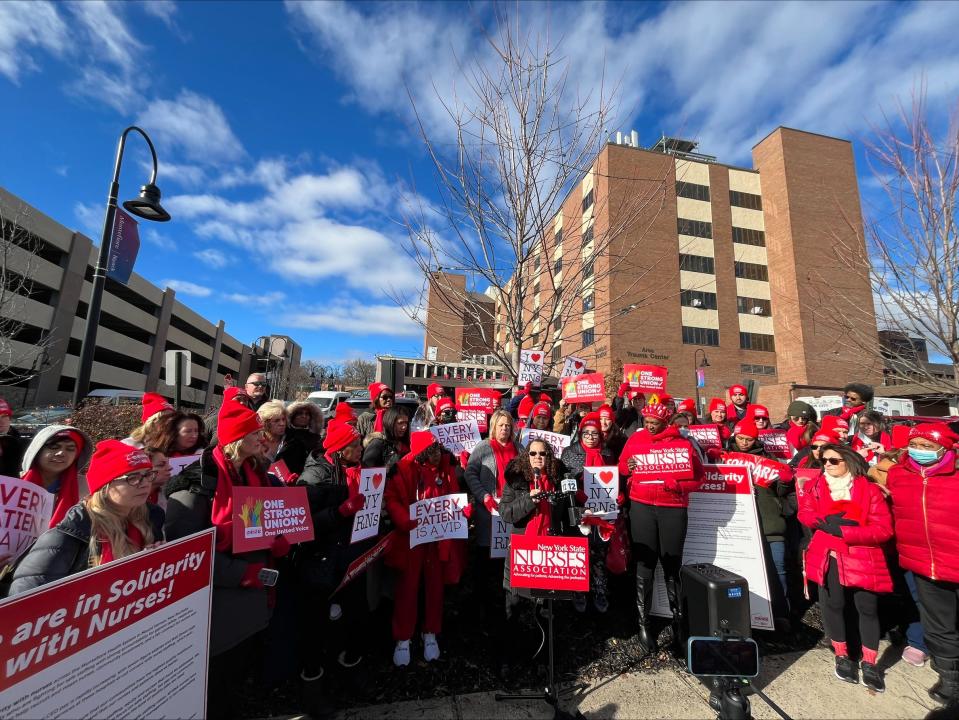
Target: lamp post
(148,207)
(700,377)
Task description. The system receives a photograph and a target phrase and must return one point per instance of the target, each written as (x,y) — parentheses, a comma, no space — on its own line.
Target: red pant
(423,561)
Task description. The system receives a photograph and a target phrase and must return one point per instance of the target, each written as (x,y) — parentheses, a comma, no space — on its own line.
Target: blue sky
(285,137)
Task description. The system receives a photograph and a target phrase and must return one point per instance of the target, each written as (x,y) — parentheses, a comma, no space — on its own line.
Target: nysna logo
(545,560)
(251,513)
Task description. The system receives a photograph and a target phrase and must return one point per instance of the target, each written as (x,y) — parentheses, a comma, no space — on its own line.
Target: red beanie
(339,435)
(717,404)
(747,428)
(377,389)
(431,390)
(5,408)
(758,411)
(825,436)
(344,413)
(938,433)
(733,389)
(233,393)
(688,405)
(444,404)
(631,394)
(543,397)
(666,398)
(235,422)
(113,459)
(656,410)
(591,420)
(420,441)
(153,404)
(525,407)
(541,409)
(831,422)
(605,411)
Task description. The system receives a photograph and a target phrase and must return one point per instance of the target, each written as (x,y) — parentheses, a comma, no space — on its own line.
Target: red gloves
(251,576)
(490,504)
(714,454)
(672,485)
(408,525)
(280,547)
(581,497)
(353,505)
(622,390)
(468,511)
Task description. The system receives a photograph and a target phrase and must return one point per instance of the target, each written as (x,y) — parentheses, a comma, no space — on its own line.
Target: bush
(107,421)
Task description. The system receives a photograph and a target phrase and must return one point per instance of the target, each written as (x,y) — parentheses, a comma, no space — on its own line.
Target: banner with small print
(549,563)
(764,471)
(601,485)
(776,444)
(572,367)
(475,415)
(706,435)
(366,523)
(178,464)
(556,441)
(646,377)
(25,512)
(723,529)
(662,460)
(478,399)
(359,566)
(262,513)
(587,388)
(126,639)
(457,437)
(499,535)
(440,518)
(530,367)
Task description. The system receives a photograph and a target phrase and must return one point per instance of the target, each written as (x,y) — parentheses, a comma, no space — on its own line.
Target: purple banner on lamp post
(124,246)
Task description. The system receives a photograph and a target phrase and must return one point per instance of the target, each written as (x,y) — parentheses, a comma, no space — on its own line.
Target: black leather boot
(644,603)
(946,691)
(672,593)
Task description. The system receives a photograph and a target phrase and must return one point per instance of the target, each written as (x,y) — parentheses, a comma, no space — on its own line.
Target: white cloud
(265,299)
(187,288)
(154,237)
(356,318)
(164,10)
(90,217)
(194,125)
(110,38)
(24,26)
(212,257)
(107,86)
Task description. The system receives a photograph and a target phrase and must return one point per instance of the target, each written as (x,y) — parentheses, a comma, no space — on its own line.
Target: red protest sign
(706,435)
(664,460)
(475,414)
(478,398)
(806,475)
(281,471)
(358,566)
(549,563)
(587,388)
(765,471)
(728,479)
(775,443)
(646,377)
(262,513)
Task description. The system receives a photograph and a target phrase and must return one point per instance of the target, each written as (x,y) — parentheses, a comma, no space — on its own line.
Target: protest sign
(723,529)
(665,460)
(601,485)
(359,566)
(126,639)
(530,367)
(646,377)
(281,472)
(549,563)
(763,471)
(776,444)
(25,511)
(499,535)
(440,518)
(588,388)
(262,513)
(178,464)
(706,435)
(457,437)
(556,441)
(805,475)
(366,523)
(572,367)
(478,399)
(476,415)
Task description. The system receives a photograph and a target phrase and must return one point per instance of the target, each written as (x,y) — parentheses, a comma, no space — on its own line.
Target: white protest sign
(601,485)
(178,464)
(499,535)
(366,523)
(458,436)
(530,367)
(126,639)
(556,441)
(25,511)
(573,366)
(440,518)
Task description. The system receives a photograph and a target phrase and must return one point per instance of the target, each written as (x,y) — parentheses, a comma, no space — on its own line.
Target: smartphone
(712,656)
(268,576)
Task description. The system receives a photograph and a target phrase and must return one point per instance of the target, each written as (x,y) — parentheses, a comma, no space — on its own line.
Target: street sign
(431,353)
(169,367)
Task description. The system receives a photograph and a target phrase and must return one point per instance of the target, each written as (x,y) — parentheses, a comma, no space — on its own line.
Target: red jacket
(858,552)
(925,504)
(410,483)
(669,493)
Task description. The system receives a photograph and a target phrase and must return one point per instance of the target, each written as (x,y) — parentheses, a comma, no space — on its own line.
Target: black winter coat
(774,503)
(12,446)
(574,458)
(298,443)
(65,550)
(380,451)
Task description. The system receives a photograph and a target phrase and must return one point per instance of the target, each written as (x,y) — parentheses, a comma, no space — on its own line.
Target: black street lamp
(704,363)
(148,207)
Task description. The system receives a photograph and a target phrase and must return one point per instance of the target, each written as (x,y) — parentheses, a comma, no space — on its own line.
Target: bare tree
(524,139)
(358,372)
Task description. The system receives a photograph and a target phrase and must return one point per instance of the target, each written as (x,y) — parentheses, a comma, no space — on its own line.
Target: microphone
(537,473)
(568,486)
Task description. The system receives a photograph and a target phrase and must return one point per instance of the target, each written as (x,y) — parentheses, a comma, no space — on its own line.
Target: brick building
(459,323)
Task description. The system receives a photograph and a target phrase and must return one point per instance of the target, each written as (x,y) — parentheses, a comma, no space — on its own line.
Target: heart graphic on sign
(606,477)
(535,357)
(578,364)
(377,480)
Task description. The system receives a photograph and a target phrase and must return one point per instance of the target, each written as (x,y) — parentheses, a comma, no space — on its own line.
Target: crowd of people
(874,512)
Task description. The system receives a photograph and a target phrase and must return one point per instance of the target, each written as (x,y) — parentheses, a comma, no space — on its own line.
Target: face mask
(683,432)
(923,457)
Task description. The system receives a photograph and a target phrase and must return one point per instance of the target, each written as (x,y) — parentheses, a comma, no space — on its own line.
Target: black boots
(946,691)
(644,603)
(672,593)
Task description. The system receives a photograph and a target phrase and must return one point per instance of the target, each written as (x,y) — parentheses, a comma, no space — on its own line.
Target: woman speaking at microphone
(658,489)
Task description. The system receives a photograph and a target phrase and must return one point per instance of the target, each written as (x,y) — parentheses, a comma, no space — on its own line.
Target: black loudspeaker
(714,602)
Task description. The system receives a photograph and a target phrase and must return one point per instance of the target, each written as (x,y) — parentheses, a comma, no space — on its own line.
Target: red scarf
(378,422)
(351,473)
(594,456)
(65,498)
(503,454)
(848,412)
(794,435)
(134,535)
(539,524)
(221,511)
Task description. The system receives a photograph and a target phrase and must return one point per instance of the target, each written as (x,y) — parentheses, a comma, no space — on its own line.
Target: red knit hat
(235,393)
(235,422)
(605,411)
(747,428)
(525,407)
(591,420)
(545,398)
(656,410)
(113,459)
(5,408)
(825,436)
(153,404)
(631,394)
(938,433)
(420,441)
(344,413)
(758,411)
(339,435)
(831,422)
(377,389)
(444,404)
(541,409)
(687,406)
(665,398)
(733,389)
(716,404)
(432,390)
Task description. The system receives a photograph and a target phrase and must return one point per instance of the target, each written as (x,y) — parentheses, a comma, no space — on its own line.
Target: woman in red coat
(845,557)
(425,472)
(658,488)
(925,499)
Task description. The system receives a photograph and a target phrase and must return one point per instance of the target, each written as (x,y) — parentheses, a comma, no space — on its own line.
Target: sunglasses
(817,447)
(833,461)
(592,433)
(138,479)
(538,453)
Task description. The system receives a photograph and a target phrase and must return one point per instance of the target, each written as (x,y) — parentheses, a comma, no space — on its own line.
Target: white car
(327,400)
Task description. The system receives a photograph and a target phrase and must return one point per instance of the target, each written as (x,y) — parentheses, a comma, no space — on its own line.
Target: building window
(751,271)
(558,237)
(748,306)
(558,265)
(556,354)
(746,236)
(756,341)
(745,200)
(588,303)
(535,339)
(700,336)
(588,337)
(698,299)
(588,201)
(557,323)
(588,235)
(747,369)
(697,263)
(539,261)
(695,228)
(588,269)
(692,191)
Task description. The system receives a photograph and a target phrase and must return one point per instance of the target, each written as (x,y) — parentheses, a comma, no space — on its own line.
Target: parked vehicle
(327,400)
(29,421)
(113,396)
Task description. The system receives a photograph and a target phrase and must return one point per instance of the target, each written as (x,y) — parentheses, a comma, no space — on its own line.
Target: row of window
(692,191)
(747,341)
(745,200)
(694,228)
(588,201)
(698,299)
(753,306)
(707,265)
(747,236)
(747,369)
(700,336)
(756,341)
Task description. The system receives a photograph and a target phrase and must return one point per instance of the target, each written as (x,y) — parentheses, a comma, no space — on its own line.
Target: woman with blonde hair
(113,522)
(274,418)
